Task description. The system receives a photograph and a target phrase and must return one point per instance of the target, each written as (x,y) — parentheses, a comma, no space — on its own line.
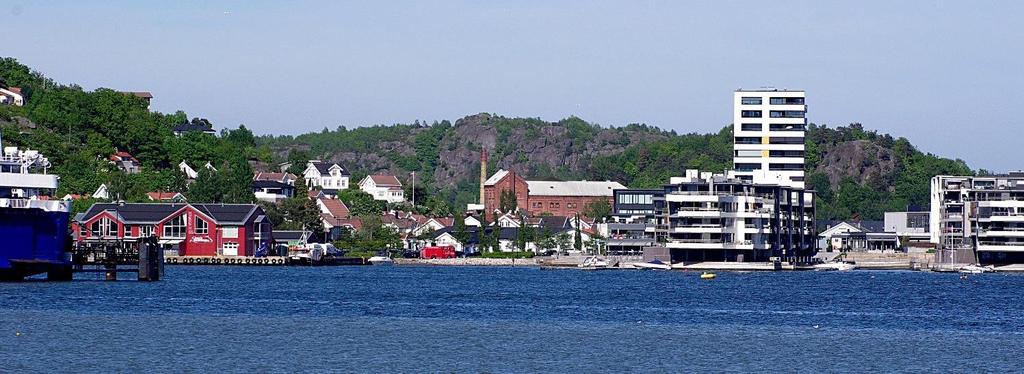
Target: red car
(441,251)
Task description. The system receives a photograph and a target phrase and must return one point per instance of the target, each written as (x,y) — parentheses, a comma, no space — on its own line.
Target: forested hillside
(78,130)
(854,170)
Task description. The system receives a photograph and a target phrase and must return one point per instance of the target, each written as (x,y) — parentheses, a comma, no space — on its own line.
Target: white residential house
(11,96)
(326,175)
(433,224)
(447,238)
(383,187)
(125,162)
(191,173)
(507,220)
(273,187)
(472,221)
(101,193)
(857,236)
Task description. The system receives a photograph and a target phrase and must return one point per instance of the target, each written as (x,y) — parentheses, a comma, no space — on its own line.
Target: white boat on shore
(594,263)
(837,266)
(653,264)
(381,260)
(975,269)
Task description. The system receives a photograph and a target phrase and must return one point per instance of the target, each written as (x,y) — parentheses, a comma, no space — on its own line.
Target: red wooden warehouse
(191,229)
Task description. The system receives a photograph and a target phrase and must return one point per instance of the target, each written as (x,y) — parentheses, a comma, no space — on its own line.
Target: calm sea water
(464,319)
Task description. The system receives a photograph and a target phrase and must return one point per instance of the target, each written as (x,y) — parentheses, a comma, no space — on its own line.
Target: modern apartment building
(978,219)
(716,217)
(768,130)
(911,227)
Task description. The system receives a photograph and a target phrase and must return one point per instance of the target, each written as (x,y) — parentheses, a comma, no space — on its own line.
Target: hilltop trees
(78,129)
(231,183)
(598,209)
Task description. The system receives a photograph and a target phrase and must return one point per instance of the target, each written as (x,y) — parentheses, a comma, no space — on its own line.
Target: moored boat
(593,263)
(975,269)
(838,266)
(34,226)
(653,264)
(380,260)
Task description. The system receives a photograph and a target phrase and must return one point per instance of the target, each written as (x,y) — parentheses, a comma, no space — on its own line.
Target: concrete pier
(468,261)
(226,260)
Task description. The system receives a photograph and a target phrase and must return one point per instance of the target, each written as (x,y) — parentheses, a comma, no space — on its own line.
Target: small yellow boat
(706,275)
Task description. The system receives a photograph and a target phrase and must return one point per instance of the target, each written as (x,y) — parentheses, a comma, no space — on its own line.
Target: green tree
(495,239)
(460,232)
(361,203)
(598,209)
(207,187)
(577,236)
(507,201)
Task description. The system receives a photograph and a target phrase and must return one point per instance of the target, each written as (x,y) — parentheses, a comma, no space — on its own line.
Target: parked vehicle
(441,251)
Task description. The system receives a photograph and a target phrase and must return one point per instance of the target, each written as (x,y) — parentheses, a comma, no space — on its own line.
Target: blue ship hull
(33,242)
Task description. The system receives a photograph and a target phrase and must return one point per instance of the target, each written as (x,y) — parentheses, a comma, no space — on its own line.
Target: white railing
(47,205)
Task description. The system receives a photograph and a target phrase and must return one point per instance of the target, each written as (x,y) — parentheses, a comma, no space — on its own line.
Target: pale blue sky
(946,75)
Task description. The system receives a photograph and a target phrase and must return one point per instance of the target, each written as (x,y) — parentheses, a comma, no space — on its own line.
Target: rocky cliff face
(532,147)
(861,160)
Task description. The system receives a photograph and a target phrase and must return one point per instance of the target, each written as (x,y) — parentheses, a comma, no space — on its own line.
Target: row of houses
(326,178)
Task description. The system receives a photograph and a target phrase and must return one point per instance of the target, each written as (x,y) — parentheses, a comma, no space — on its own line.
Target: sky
(946,75)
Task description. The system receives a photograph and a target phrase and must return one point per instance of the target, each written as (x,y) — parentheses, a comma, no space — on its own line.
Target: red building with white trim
(191,229)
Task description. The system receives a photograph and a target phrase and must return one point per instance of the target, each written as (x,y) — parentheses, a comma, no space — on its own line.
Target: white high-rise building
(768,144)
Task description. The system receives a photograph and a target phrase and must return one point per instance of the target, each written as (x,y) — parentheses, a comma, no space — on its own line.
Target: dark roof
(271,184)
(872,226)
(330,191)
(506,233)
(134,212)
(288,236)
(228,213)
(156,212)
(325,167)
(554,223)
(918,208)
(867,226)
(192,126)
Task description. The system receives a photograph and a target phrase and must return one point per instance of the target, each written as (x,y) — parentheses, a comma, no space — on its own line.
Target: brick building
(545,197)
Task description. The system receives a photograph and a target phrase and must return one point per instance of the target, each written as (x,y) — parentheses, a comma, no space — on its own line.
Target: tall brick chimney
(483,173)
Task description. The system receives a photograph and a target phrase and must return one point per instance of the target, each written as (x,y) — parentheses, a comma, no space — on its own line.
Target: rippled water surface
(477,319)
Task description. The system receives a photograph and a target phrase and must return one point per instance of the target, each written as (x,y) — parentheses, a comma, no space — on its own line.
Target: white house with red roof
(125,162)
(11,96)
(336,217)
(383,187)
